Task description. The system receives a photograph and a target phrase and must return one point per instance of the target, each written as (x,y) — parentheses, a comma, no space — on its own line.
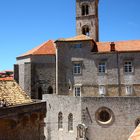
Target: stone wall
(125,111)
(36,72)
(21,73)
(23,122)
(114,79)
(66,105)
(90,20)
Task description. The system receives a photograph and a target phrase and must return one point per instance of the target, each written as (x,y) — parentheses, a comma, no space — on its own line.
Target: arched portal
(50,90)
(40,92)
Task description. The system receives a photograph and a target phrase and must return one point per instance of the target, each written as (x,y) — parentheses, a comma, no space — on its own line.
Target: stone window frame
(70,122)
(104,92)
(77,90)
(78,45)
(109,121)
(85,9)
(86,30)
(127,67)
(129,90)
(77,67)
(102,69)
(60,121)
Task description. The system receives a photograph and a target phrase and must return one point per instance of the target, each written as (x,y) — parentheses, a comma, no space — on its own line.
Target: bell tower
(87,18)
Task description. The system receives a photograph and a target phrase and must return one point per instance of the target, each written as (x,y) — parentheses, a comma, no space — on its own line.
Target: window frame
(60,121)
(78,45)
(127,67)
(86,30)
(77,70)
(129,89)
(70,122)
(102,69)
(76,88)
(85,9)
(103,88)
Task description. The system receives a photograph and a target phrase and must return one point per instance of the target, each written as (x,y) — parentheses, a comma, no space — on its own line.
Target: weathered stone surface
(114,79)
(23,122)
(66,105)
(37,72)
(90,20)
(125,112)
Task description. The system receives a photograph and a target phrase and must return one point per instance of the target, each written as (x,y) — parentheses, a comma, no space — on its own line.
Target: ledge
(36,106)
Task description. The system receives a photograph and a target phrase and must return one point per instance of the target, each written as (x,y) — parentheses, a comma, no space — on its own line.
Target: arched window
(70,122)
(50,90)
(60,120)
(137,122)
(85,30)
(85,9)
(40,92)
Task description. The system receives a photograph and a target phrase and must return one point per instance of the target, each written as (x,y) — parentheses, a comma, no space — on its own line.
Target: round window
(104,116)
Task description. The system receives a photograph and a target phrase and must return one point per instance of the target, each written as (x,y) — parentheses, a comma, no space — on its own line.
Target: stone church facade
(92,88)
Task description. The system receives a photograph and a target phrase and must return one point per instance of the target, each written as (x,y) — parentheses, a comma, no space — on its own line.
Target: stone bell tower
(87,18)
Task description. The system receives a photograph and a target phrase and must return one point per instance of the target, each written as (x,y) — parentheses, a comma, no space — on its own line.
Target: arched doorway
(50,90)
(40,92)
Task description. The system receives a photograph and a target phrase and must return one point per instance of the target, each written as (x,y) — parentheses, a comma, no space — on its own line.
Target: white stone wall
(66,105)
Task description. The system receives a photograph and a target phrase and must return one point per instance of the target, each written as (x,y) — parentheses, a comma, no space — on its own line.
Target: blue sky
(26,24)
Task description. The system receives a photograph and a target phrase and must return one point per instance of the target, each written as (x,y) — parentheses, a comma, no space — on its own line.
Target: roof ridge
(41,49)
(118,41)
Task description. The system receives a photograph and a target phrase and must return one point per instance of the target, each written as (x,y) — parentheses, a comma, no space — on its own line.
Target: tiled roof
(43,49)
(121,46)
(6,79)
(76,38)
(136,134)
(12,94)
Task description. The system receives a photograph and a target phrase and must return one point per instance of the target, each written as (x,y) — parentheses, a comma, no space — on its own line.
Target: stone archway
(40,92)
(50,90)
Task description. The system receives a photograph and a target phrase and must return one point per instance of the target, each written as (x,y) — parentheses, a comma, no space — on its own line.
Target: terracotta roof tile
(131,45)
(136,134)
(47,48)
(6,79)
(12,93)
(76,38)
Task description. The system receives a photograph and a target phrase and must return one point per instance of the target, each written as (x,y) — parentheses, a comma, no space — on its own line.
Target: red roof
(76,38)
(43,49)
(7,79)
(121,46)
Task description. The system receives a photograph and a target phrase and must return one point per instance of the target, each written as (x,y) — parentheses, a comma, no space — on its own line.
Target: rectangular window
(78,45)
(102,67)
(77,68)
(102,90)
(129,90)
(77,91)
(128,67)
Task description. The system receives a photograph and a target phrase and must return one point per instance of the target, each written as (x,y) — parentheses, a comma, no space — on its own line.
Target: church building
(92,88)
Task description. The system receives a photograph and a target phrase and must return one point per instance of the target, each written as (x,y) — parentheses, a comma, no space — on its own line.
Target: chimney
(112,47)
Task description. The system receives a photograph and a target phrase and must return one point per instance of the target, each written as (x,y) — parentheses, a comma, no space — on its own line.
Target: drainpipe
(112,49)
(118,69)
(56,61)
